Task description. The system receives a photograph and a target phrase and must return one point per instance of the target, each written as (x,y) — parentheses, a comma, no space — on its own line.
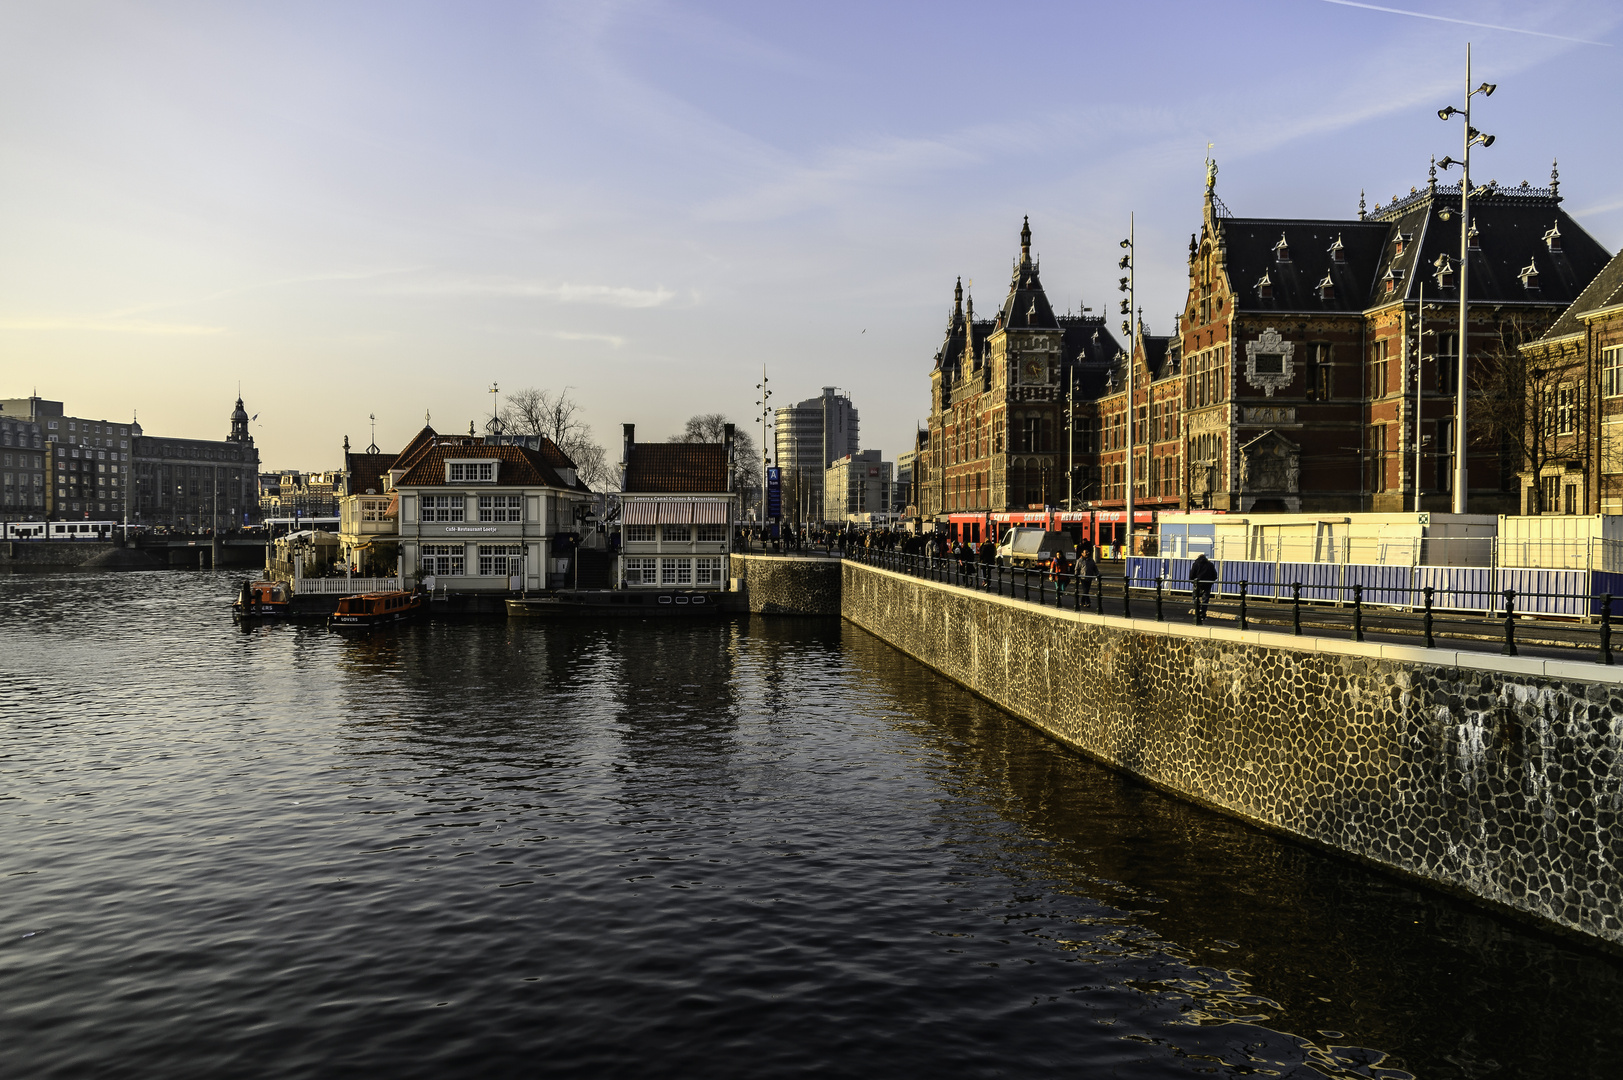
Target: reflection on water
(725,849)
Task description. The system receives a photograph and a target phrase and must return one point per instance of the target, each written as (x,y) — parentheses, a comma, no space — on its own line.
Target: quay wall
(787,584)
(1499,778)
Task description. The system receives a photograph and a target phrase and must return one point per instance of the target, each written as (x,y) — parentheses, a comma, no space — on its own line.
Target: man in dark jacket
(1087,574)
(988,555)
(1202,575)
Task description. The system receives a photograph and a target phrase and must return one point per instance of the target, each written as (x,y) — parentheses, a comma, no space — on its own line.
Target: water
(753,848)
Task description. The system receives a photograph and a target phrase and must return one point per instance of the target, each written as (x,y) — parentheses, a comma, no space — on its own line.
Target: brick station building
(1290,383)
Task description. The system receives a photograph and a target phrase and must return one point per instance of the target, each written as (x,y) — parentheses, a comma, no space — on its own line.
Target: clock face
(1034,371)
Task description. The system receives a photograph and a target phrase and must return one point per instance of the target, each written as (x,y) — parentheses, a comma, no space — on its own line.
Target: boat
(263,600)
(623,603)
(376,609)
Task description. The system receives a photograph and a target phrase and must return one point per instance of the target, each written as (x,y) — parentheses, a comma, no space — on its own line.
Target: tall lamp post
(766,451)
(1128,285)
(1473,137)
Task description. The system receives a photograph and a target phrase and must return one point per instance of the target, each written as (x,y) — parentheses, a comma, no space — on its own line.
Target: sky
(359,209)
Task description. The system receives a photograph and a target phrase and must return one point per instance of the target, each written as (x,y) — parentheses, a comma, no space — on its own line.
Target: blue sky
(383,208)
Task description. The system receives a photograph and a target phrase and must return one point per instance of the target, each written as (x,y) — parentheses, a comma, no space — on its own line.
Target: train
(1104,529)
(57,530)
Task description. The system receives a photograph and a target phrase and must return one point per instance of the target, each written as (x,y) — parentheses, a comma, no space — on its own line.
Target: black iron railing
(1333,611)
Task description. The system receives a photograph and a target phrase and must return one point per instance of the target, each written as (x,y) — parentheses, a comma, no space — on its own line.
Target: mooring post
(1159,616)
(1296,607)
(1510,623)
(1426,619)
(1358,611)
(1606,628)
(1243,624)
(1126,593)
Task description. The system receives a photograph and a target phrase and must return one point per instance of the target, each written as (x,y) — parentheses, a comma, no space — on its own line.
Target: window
(711,534)
(640,571)
(475,472)
(707,571)
(501,560)
(1566,409)
(1318,371)
(1552,490)
(443,507)
(1611,371)
(1378,370)
(1377,457)
(676,571)
(676,534)
(501,508)
(640,534)
(444,559)
(1569,499)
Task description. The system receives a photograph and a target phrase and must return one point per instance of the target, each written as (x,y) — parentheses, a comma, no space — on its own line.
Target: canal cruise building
(676,513)
(483,517)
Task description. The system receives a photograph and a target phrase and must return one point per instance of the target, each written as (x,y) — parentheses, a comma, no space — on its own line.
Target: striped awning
(676,511)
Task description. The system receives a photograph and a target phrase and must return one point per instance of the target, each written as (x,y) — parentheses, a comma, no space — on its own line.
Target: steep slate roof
(1090,350)
(520,466)
(1251,251)
(366,472)
(676,468)
(1511,225)
(1604,291)
(1026,306)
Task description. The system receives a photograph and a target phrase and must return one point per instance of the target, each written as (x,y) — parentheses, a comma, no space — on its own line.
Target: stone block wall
(1497,777)
(787,585)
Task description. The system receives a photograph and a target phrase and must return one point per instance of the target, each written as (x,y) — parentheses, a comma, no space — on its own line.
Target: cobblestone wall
(784,585)
(1494,776)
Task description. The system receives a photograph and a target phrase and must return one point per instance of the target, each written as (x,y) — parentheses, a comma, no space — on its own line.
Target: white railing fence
(344,586)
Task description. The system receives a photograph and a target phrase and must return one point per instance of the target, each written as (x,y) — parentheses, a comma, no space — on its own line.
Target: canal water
(734,848)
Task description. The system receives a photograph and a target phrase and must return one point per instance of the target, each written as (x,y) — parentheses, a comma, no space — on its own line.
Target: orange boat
(263,600)
(376,609)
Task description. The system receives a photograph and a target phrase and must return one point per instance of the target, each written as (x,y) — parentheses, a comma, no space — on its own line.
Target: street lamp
(1473,137)
(765,403)
(1128,286)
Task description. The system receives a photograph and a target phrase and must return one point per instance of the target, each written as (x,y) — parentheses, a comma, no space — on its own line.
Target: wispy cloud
(109,326)
(563,292)
(569,335)
(1465,22)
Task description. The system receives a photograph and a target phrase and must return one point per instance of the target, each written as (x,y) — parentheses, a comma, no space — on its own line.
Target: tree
(1525,405)
(748,478)
(556,415)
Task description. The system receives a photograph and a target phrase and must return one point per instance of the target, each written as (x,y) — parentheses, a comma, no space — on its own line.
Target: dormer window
(1444,272)
(1391,280)
(470,472)
(1401,242)
(1265,288)
(1327,288)
(1338,251)
(1471,238)
(1282,250)
(1529,275)
(1552,239)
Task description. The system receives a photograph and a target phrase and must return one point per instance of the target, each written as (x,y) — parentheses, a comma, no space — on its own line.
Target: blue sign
(774,492)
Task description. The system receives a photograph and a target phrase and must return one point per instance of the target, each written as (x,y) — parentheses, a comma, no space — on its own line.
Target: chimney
(629,439)
(727,452)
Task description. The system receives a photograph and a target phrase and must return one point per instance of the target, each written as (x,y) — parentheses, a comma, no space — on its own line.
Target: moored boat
(376,609)
(622,603)
(263,600)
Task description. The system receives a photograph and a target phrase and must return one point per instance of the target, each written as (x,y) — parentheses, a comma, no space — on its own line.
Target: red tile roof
(519,465)
(676,468)
(366,471)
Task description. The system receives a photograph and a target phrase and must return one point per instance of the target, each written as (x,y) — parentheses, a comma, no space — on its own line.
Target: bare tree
(1524,405)
(556,415)
(748,478)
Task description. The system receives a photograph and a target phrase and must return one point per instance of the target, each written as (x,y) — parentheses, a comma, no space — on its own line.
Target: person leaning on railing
(1202,576)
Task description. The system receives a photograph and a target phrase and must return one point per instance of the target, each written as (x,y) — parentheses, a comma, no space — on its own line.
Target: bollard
(1425,620)
(1243,624)
(1606,629)
(1126,595)
(1358,612)
(1041,581)
(1027,575)
(1159,615)
(1296,608)
(1510,623)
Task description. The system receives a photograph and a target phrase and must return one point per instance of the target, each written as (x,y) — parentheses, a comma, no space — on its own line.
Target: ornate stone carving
(1268,362)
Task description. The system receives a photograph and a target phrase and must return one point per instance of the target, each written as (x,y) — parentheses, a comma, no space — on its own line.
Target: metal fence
(1471,607)
(305,586)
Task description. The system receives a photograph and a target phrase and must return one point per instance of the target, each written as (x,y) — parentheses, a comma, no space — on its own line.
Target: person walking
(1202,576)
(1087,574)
(988,557)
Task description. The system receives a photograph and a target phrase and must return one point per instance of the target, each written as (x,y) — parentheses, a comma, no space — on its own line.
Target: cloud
(563,292)
(109,326)
(1465,22)
(570,335)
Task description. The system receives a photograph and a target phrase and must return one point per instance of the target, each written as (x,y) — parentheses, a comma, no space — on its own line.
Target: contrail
(1466,22)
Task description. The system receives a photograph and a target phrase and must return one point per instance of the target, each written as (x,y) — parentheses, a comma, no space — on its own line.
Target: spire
(1555,181)
(1025,241)
(1361,213)
(958,298)
(1431,176)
